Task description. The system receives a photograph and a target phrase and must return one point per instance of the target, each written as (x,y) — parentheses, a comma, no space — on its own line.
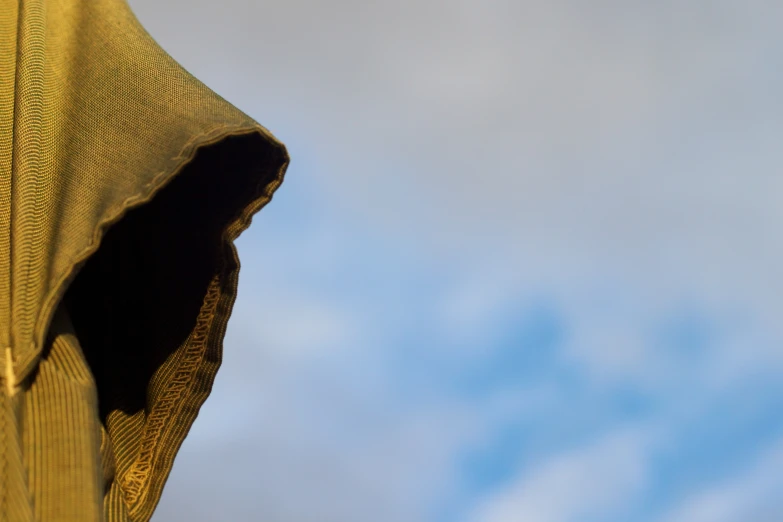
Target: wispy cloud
(750,495)
(592,482)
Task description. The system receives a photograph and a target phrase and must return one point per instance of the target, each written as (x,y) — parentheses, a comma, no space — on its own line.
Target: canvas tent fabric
(124,182)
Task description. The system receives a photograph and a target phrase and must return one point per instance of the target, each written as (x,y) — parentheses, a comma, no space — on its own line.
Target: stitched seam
(134,484)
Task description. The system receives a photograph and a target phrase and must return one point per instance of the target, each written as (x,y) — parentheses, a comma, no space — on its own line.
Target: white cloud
(752,495)
(610,351)
(295,328)
(306,459)
(596,480)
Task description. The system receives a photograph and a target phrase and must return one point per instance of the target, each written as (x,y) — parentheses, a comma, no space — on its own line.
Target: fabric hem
(26,361)
(180,402)
(174,413)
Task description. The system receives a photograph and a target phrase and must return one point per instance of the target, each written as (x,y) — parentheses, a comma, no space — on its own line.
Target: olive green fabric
(123,183)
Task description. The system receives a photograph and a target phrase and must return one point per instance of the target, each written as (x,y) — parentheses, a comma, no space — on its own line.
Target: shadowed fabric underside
(124,182)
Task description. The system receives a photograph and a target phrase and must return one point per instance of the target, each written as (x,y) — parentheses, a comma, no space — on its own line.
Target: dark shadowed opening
(136,300)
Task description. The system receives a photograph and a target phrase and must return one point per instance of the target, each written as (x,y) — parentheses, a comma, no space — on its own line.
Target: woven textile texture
(124,182)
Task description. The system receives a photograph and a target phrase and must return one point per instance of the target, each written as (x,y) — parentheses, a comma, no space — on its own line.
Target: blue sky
(523,266)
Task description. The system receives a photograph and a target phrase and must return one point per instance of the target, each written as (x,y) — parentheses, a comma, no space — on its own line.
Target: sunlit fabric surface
(123,183)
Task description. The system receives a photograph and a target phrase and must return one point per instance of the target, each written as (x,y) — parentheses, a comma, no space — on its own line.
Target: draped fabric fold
(124,182)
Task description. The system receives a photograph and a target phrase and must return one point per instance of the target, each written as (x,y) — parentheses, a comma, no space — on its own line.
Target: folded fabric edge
(22,367)
(173,415)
